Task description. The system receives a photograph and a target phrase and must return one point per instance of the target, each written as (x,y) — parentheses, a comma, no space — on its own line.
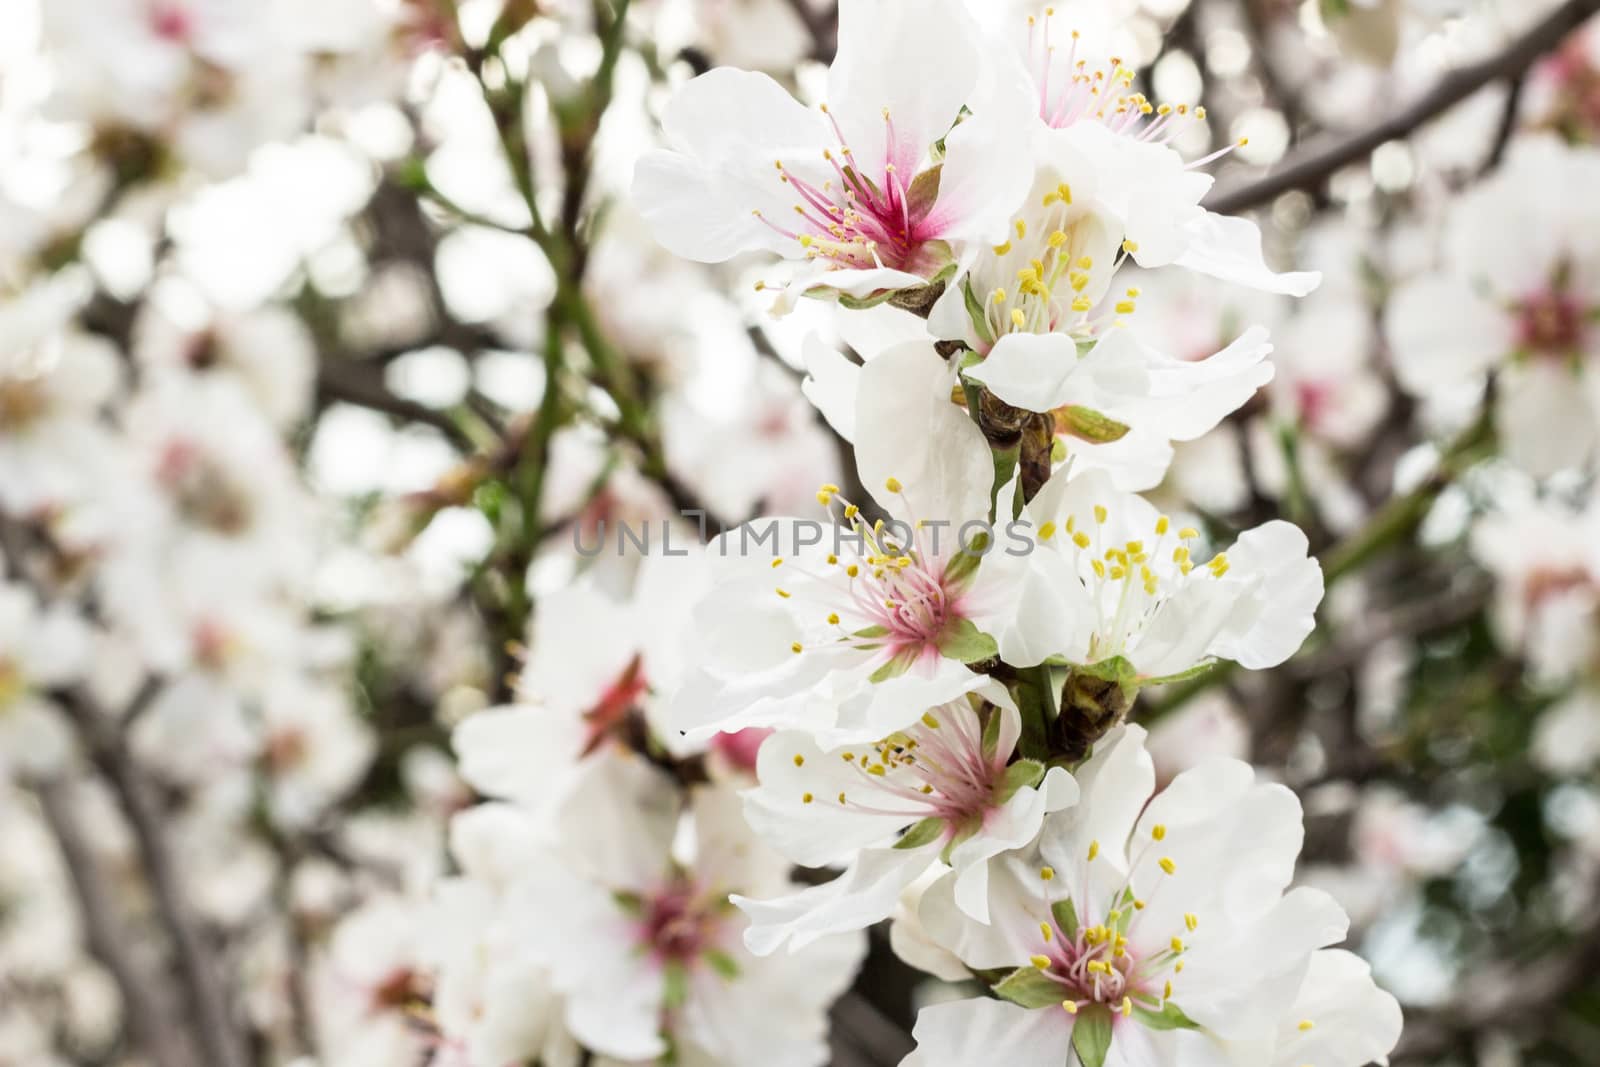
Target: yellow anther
(1162,525)
(841,798)
(1168,866)
(824,498)
(1099,513)
(797,648)
(1057,239)
(852,570)
(998,296)
(832,559)
(1086,263)
(1166,991)
(777,563)
(1099,568)
(1159,832)
(799,760)
(833,618)
(1306,1025)
(1082,304)
(893,485)
(1094,850)
(806,798)
(1070,1007)
(851,511)
(1018,319)
(1192,921)
(1125,307)
(783,593)
(929,721)
(1022,229)
(1130,247)
(1188,533)
(1127,1007)
(1047,873)
(1041,962)
(1046,931)
(1080,539)
(1001,250)
(1138,905)
(1047,531)
(1177,944)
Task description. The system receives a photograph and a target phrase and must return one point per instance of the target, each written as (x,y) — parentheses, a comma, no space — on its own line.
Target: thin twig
(1309,169)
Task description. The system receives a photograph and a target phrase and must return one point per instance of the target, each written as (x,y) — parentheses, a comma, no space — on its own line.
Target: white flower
(596,671)
(1117,582)
(54,381)
(1519,292)
(643,944)
(856,189)
(1547,585)
(40,649)
(1147,932)
(947,780)
(860,628)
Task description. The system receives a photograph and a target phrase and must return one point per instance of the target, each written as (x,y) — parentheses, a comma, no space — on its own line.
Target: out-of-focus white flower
(643,944)
(1518,295)
(40,649)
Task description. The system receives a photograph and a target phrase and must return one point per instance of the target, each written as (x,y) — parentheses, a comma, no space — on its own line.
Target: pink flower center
(856,220)
(935,769)
(1550,323)
(679,923)
(172,22)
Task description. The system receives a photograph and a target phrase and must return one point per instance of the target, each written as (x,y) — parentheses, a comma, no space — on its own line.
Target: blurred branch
(198,970)
(149,1017)
(822,25)
(1503,998)
(1390,525)
(1309,169)
(360,382)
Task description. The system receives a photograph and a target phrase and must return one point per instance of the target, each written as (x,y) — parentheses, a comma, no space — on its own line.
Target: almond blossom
(869,189)
(1147,931)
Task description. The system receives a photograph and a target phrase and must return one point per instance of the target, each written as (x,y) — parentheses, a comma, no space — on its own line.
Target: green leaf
(1086,424)
(1065,913)
(1030,987)
(964,642)
(1091,1035)
(722,963)
(1170,1017)
(925,832)
(1023,774)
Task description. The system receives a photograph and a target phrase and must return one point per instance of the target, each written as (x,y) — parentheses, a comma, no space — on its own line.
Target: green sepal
(923,833)
(964,642)
(1023,774)
(924,191)
(898,665)
(1030,987)
(1182,676)
(724,964)
(631,903)
(1087,424)
(1065,913)
(1170,1017)
(675,977)
(1091,1035)
(991,734)
(979,317)
(872,632)
(966,562)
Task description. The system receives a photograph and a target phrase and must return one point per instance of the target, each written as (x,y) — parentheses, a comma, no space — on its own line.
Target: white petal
(832,383)
(1442,334)
(966,1032)
(864,894)
(1229,248)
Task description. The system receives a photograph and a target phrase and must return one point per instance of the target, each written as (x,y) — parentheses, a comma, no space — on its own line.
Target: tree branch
(1309,169)
(202,978)
(148,1015)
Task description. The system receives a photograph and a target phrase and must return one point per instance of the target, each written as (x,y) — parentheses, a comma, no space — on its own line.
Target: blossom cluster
(726,532)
